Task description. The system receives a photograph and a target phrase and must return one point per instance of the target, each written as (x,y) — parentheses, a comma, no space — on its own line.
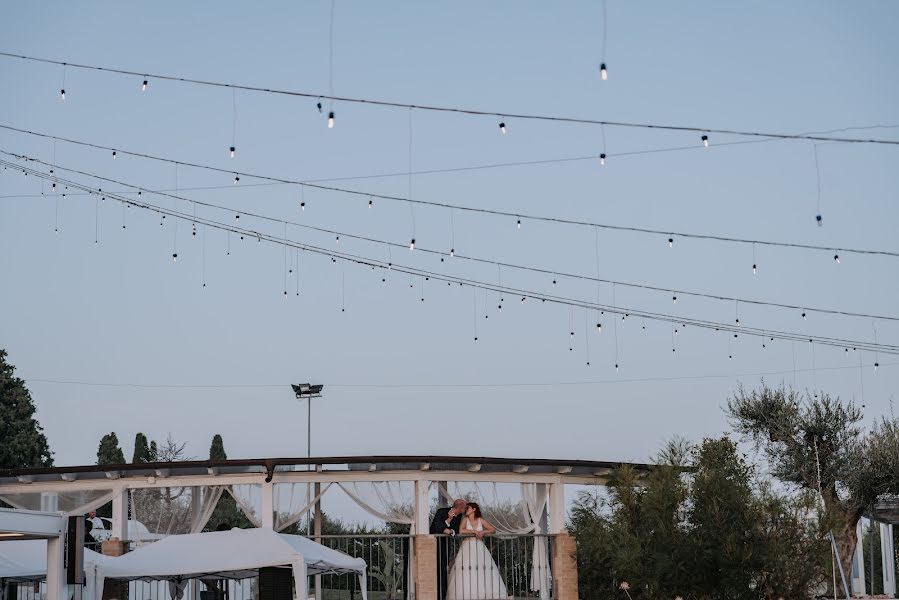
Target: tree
(816,443)
(217,449)
(22,441)
(109,452)
(142,452)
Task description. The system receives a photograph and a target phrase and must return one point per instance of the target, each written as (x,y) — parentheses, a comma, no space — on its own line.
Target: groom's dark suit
(442,522)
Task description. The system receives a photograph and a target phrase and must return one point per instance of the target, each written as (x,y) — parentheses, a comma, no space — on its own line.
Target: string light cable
(487,286)
(145,75)
(829,250)
(500,264)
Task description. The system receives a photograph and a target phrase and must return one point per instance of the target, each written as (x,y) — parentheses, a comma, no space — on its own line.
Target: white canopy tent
(234,554)
(26,560)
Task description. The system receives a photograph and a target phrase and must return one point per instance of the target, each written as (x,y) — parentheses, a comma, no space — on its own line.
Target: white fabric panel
(213,553)
(77,502)
(285,520)
(249,500)
(168,510)
(209,499)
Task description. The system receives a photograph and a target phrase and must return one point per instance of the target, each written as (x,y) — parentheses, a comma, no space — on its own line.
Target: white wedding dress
(474,574)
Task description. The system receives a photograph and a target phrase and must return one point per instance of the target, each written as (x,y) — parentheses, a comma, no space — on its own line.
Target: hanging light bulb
(331,120)
(616,367)
(337,239)
(174,257)
(818,220)
(143,86)
(113,154)
(412,244)
(599,328)
(138,193)
(369,203)
(876,364)
(705,141)
(62,95)
(754,267)
(836,258)
(319,105)
(671,242)
(554,283)
(232,152)
(803,314)
(602,159)
(519,223)
(452,252)
(502,127)
(236,178)
(54,186)
(674,299)
(303,206)
(603,72)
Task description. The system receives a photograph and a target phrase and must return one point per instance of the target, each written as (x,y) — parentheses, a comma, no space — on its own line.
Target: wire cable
(447,109)
(480,210)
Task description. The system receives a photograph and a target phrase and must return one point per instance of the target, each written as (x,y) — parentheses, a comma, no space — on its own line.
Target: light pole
(310,391)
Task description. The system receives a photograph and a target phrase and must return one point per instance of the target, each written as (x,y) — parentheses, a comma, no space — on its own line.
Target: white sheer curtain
(76,502)
(174,510)
(292,501)
(392,502)
(516,509)
(249,499)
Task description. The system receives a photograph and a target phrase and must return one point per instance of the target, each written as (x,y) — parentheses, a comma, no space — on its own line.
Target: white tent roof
(27,559)
(233,554)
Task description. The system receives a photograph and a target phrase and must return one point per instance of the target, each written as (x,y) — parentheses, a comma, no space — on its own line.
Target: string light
(599,328)
(603,72)
(452,252)
(232,151)
(519,223)
(174,257)
(319,106)
(62,95)
(369,202)
(331,120)
(818,220)
(303,206)
(836,258)
(113,154)
(754,267)
(143,86)
(674,299)
(705,141)
(502,127)
(602,159)
(803,315)
(412,244)
(671,242)
(236,178)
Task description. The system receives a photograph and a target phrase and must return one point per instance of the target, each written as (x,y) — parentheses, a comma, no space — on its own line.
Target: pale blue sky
(123,313)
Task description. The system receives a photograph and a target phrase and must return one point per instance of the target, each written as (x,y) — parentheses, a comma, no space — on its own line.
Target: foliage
(109,452)
(710,532)
(817,444)
(22,441)
(217,448)
(142,451)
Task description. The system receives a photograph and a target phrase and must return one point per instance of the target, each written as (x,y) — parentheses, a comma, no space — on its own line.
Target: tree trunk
(846,538)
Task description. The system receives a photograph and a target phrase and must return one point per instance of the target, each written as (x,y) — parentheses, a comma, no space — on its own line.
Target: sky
(144,346)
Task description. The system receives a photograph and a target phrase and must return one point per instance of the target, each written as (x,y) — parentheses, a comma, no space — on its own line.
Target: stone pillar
(425,567)
(564,567)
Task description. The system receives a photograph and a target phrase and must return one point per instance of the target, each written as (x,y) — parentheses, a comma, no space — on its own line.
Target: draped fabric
(516,509)
(76,502)
(292,501)
(249,499)
(174,510)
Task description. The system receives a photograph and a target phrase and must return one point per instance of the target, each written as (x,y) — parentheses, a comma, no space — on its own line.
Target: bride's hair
(477,509)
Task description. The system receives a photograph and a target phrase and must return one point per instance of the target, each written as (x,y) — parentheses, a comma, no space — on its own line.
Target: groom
(446,521)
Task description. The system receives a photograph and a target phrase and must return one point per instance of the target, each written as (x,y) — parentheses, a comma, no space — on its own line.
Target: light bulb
(232,151)
(337,239)
(554,283)
(412,244)
(319,106)
(330,120)
(143,86)
(54,185)
(236,178)
(836,257)
(303,206)
(522,299)
(603,72)
(138,193)
(519,223)
(502,127)
(174,257)
(616,367)
(818,220)
(602,159)
(452,252)
(705,141)
(803,314)
(877,364)
(369,203)
(599,328)
(671,242)
(754,268)
(674,299)
(62,95)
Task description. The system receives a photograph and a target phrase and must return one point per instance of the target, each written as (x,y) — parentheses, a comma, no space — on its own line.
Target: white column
(422,506)
(887,552)
(120,514)
(56,573)
(268,505)
(858,583)
(556,505)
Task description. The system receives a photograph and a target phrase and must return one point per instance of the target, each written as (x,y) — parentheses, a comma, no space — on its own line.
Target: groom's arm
(439,522)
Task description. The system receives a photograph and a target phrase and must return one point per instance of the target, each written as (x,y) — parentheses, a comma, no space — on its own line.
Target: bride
(474,574)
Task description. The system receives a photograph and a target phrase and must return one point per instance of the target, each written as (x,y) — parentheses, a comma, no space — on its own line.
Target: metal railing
(495,567)
(387,560)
